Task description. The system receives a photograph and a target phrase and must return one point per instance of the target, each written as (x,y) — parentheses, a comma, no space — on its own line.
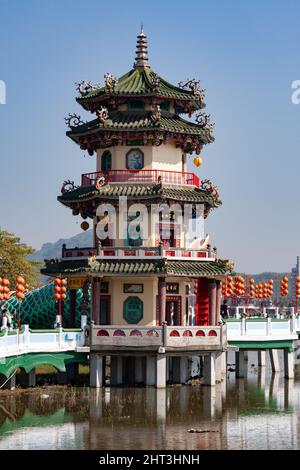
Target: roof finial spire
(141,59)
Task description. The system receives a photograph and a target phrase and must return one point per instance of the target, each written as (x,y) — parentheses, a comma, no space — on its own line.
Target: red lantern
(20,280)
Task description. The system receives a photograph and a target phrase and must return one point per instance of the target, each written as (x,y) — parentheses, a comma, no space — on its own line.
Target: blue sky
(246,55)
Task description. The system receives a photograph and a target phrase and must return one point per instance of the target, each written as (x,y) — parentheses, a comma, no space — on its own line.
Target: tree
(14,260)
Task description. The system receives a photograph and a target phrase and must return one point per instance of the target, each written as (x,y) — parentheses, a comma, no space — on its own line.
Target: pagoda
(156,297)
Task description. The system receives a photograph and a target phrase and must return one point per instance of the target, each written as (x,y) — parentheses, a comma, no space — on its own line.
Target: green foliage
(14,260)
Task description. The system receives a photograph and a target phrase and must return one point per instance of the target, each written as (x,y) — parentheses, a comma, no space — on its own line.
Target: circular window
(133,310)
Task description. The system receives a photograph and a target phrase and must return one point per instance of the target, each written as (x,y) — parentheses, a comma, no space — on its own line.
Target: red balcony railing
(141,176)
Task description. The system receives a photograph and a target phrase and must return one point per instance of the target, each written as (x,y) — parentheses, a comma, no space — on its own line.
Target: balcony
(172,338)
(141,176)
(138,252)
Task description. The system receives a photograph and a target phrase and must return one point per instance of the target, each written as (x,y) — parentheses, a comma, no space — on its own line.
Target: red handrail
(141,176)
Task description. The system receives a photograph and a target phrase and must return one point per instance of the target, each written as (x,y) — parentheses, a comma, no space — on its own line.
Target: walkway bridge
(61,347)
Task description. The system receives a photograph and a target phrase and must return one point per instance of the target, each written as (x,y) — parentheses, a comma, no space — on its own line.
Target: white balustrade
(39,341)
(268,330)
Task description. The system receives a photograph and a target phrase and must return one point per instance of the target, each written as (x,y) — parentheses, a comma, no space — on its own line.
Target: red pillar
(212,288)
(202,303)
(218,300)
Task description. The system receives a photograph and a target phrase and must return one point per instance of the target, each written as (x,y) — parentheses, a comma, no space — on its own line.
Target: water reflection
(258,412)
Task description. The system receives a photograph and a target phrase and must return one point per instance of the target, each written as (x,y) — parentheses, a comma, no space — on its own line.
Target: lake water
(259,412)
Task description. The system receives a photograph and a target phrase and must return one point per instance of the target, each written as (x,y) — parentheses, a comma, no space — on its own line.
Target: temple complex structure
(155,279)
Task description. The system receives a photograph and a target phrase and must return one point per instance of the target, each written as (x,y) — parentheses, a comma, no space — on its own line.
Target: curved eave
(137,83)
(133,267)
(133,122)
(139,192)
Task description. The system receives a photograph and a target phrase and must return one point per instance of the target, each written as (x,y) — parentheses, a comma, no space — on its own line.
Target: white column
(274,358)
(116,375)
(161,405)
(150,370)
(209,369)
(240,364)
(96,370)
(261,358)
(209,401)
(223,361)
(288,364)
(161,371)
(269,326)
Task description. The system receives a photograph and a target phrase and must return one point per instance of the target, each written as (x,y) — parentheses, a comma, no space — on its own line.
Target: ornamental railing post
(268,326)
(26,337)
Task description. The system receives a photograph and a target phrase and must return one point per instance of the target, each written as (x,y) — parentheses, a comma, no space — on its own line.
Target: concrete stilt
(209,401)
(289,394)
(288,364)
(246,356)
(139,370)
(221,366)
(218,368)
(261,358)
(161,405)
(180,369)
(161,372)
(96,370)
(261,377)
(116,375)
(274,358)
(209,370)
(240,364)
(95,401)
(150,370)
(274,385)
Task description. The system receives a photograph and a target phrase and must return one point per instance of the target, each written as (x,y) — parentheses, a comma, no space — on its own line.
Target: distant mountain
(53,250)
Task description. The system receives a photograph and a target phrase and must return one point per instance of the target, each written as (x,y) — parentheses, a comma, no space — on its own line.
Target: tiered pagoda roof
(139,83)
(145,192)
(139,267)
(154,120)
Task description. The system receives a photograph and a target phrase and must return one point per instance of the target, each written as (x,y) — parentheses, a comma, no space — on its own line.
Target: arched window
(133,310)
(106,160)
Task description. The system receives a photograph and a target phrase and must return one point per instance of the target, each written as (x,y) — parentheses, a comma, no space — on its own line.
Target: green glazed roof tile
(141,121)
(138,190)
(138,82)
(133,267)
